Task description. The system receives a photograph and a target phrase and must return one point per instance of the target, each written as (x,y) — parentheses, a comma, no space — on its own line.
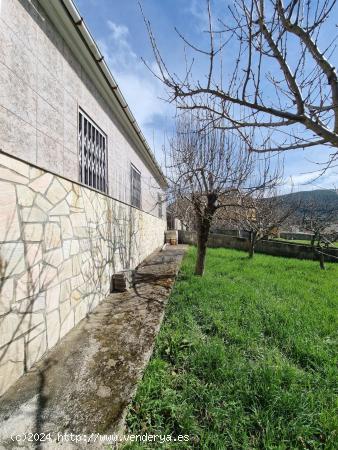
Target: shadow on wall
(59,245)
(26,331)
(22,326)
(23,284)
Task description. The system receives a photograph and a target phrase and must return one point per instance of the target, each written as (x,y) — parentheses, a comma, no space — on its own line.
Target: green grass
(300,241)
(246,357)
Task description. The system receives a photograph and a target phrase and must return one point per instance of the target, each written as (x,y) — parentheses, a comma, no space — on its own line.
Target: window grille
(135,187)
(160,209)
(92,154)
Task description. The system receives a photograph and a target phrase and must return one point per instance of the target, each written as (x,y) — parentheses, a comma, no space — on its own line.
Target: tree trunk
(317,254)
(251,249)
(203,227)
(321,260)
(315,237)
(252,242)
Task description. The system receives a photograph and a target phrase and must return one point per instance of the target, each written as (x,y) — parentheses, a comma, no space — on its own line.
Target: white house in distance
(80,191)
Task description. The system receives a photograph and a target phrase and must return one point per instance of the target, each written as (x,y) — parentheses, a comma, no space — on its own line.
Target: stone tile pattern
(42,85)
(60,243)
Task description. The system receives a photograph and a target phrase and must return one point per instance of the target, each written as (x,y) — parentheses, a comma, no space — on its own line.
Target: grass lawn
(246,357)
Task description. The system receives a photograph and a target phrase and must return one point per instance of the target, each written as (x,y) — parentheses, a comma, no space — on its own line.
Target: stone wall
(283,234)
(270,247)
(228,232)
(59,244)
(298,236)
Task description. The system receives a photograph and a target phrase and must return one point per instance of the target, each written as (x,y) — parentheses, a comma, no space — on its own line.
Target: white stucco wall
(42,85)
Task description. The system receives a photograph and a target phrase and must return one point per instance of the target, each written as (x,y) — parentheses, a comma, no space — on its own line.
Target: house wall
(42,85)
(60,241)
(59,244)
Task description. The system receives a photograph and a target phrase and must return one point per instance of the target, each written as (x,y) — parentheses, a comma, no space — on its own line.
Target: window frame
(133,170)
(91,177)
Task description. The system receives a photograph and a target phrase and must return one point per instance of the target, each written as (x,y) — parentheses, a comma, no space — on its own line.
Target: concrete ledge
(86,382)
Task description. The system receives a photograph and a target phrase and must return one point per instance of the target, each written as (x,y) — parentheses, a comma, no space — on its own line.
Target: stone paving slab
(86,382)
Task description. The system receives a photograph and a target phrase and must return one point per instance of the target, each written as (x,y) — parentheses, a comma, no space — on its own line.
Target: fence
(297,236)
(269,247)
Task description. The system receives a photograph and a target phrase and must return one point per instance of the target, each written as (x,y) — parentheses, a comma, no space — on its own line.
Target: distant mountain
(318,195)
(324,198)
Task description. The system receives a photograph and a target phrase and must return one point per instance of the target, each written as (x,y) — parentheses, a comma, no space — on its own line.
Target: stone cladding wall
(60,242)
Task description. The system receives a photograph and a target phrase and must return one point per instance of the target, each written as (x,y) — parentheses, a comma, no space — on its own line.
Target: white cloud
(199,12)
(116,48)
(138,85)
(312,180)
(301,179)
(119,32)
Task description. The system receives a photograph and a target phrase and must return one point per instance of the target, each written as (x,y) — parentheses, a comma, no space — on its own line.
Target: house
(81,195)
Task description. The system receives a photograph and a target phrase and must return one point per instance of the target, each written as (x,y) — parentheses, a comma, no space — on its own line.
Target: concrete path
(86,382)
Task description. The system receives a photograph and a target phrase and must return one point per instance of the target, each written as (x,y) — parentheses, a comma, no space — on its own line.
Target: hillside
(326,197)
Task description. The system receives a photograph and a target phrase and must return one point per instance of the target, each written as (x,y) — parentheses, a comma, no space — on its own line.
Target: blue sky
(120,33)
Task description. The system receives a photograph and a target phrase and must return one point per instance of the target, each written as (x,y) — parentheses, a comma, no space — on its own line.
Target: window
(92,154)
(135,187)
(160,209)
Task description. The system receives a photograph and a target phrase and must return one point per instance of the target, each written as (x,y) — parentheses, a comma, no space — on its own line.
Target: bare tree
(265,71)
(319,218)
(263,216)
(210,169)
(183,210)
(226,220)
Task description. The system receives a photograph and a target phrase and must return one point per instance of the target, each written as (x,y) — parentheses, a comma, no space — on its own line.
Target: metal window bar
(92,154)
(135,187)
